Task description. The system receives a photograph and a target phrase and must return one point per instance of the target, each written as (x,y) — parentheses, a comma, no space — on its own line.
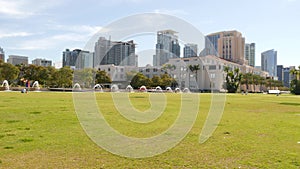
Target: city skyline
(45,29)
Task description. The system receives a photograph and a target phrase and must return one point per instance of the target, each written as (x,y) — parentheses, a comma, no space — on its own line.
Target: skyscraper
(269,62)
(230,45)
(78,59)
(70,57)
(167,47)
(114,52)
(2,54)
(280,72)
(287,76)
(190,50)
(85,60)
(101,48)
(250,54)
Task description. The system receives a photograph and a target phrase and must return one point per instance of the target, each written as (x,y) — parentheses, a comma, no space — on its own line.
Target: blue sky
(43,29)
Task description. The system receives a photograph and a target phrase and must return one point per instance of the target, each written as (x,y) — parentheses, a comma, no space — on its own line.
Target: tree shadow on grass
(290,104)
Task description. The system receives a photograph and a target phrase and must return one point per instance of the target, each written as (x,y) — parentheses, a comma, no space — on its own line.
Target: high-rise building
(78,59)
(114,52)
(280,72)
(167,47)
(211,45)
(101,48)
(190,50)
(70,57)
(85,60)
(2,54)
(17,60)
(287,76)
(269,62)
(250,54)
(230,45)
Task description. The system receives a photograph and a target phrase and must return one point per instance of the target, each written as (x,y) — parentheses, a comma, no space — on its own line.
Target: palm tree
(262,82)
(247,79)
(168,67)
(194,69)
(296,73)
(233,79)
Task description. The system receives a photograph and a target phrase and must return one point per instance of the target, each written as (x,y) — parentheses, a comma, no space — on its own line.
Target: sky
(44,29)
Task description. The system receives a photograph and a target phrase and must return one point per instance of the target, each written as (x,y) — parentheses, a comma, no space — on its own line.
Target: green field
(41,130)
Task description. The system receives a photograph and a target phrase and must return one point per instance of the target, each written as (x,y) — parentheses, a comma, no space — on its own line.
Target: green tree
(295,83)
(8,72)
(156,81)
(63,77)
(166,80)
(233,79)
(247,79)
(138,80)
(50,81)
(85,77)
(102,77)
(43,76)
(168,67)
(130,75)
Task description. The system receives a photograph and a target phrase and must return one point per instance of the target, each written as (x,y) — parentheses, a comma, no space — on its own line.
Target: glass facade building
(190,50)
(250,54)
(167,47)
(269,62)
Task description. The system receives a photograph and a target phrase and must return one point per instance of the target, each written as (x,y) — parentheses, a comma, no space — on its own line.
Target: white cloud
(171,12)
(65,36)
(13,8)
(14,34)
(82,29)
(22,9)
(52,42)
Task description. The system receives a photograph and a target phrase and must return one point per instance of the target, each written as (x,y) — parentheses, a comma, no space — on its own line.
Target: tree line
(19,75)
(234,80)
(50,77)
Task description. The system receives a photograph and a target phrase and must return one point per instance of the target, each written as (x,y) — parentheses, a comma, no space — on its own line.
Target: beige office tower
(230,45)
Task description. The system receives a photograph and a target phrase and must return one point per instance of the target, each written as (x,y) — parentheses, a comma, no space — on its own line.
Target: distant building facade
(190,50)
(167,47)
(286,76)
(269,62)
(42,62)
(17,60)
(280,72)
(115,52)
(150,71)
(2,54)
(229,45)
(250,54)
(118,73)
(84,60)
(210,76)
(78,59)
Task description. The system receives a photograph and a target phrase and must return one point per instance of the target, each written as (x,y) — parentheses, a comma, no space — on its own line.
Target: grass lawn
(41,130)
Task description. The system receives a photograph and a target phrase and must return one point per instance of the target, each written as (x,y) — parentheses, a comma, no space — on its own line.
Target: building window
(212,67)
